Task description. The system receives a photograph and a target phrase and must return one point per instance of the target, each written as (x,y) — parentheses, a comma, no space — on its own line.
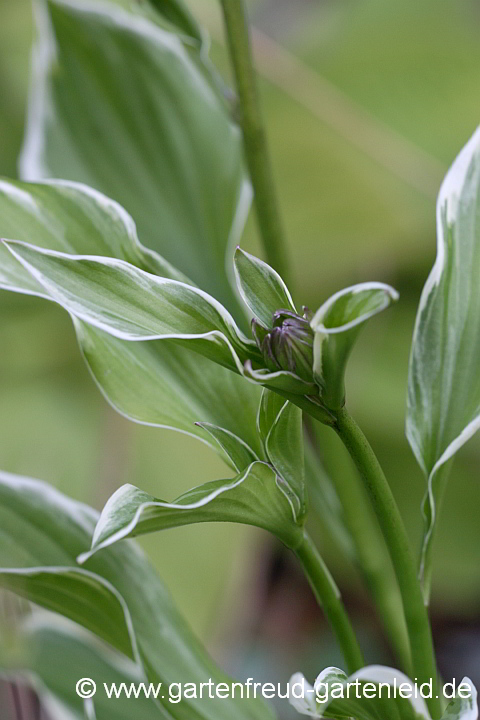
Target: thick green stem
(391,524)
(368,549)
(255,142)
(328,596)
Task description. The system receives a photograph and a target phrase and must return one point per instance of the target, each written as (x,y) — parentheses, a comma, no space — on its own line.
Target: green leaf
(252,498)
(52,655)
(132,304)
(122,105)
(54,588)
(325,504)
(43,532)
(268,410)
(179,15)
(463,708)
(284,446)
(153,383)
(372,700)
(336,326)
(70,218)
(261,287)
(160,383)
(443,408)
(238,453)
(283,380)
(369,699)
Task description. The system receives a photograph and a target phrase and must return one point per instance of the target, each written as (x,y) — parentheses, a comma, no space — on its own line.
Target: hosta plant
(180,330)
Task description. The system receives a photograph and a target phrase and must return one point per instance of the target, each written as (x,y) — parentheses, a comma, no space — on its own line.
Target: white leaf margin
(87,574)
(32,161)
(71,508)
(390,295)
(308,704)
(46,620)
(217,439)
(447,200)
(267,271)
(127,529)
(111,208)
(32,165)
(262,376)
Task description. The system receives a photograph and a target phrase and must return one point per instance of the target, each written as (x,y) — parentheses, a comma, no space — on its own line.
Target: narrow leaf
(261,287)
(443,408)
(336,326)
(283,380)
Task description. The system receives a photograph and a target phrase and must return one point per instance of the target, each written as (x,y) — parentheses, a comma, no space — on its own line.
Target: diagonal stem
(254,137)
(391,524)
(369,552)
(328,596)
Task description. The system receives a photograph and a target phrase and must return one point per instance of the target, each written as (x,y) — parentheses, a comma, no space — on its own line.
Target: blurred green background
(367,102)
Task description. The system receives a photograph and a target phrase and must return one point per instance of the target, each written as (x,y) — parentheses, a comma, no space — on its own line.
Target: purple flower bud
(288,345)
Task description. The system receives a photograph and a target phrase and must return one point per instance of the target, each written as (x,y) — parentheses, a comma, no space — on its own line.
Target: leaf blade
(132,304)
(253,498)
(261,287)
(336,325)
(53,655)
(443,403)
(162,385)
(43,532)
(143,123)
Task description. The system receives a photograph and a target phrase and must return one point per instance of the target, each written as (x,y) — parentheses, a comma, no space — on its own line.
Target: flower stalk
(254,137)
(391,524)
(370,554)
(328,596)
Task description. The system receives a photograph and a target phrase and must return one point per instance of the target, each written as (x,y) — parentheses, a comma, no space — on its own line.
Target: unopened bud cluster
(288,345)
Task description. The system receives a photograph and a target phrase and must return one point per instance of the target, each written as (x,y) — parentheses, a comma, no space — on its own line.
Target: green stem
(391,524)
(368,551)
(254,138)
(328,596)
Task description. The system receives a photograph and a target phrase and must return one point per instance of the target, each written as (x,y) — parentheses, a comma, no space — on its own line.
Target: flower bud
(288,345)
